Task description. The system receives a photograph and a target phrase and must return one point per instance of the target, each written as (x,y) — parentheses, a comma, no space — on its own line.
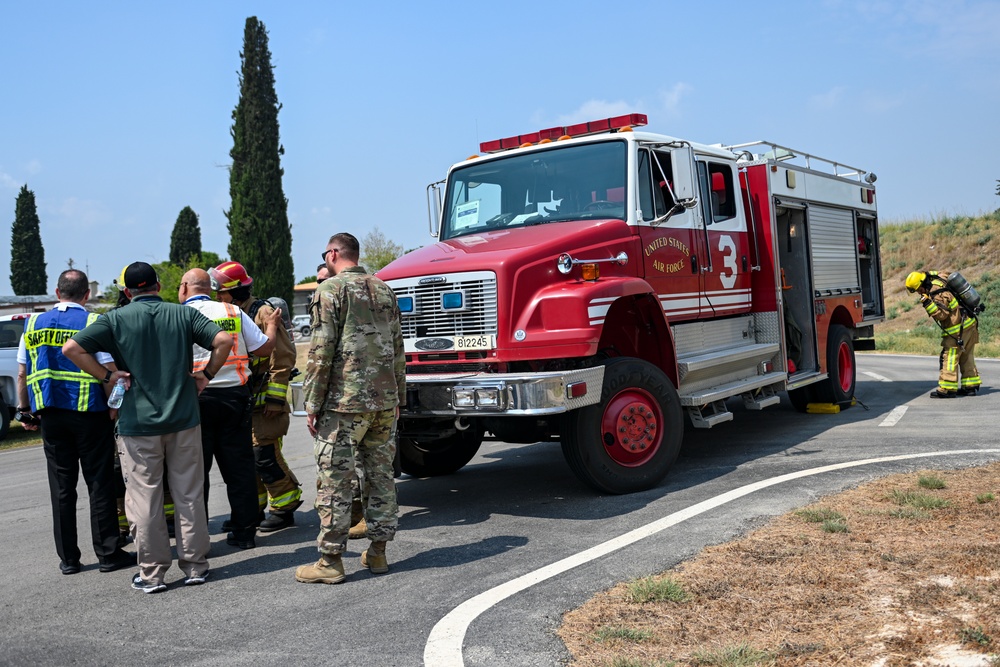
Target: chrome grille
(429,319)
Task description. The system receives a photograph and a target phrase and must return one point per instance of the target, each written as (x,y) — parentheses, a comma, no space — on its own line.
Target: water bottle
(117,394)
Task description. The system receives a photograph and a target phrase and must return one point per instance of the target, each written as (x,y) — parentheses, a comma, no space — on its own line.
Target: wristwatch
(107,378)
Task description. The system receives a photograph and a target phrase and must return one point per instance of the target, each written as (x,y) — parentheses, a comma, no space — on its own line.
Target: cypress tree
(185,240)
(27,256)
(260,236)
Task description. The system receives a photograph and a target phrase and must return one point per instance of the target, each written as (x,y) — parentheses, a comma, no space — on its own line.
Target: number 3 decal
(728,248)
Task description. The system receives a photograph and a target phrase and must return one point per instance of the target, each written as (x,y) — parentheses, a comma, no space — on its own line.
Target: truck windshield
(574,182)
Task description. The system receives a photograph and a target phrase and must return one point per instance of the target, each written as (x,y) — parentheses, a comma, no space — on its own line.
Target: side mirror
(682,165)
(434,207)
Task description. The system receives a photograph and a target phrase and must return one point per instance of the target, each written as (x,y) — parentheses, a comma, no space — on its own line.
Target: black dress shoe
(117,561)
(242,541)
(69,567)
(228,525)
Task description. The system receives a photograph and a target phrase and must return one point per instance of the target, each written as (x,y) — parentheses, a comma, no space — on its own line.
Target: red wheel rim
(632,427)
(845,366)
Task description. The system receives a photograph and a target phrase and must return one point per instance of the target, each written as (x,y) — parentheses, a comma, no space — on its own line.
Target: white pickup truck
(11,328)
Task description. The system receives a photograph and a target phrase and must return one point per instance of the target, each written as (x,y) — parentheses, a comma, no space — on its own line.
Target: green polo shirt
(153,341)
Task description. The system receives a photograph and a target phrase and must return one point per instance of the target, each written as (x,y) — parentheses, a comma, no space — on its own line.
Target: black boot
(278,520)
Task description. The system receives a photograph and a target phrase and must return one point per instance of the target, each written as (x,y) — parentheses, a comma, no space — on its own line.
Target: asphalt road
(487,560)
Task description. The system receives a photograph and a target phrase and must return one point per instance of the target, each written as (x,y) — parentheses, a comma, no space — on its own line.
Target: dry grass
(915,576)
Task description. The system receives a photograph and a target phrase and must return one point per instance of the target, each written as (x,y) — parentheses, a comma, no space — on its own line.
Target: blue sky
(117,115)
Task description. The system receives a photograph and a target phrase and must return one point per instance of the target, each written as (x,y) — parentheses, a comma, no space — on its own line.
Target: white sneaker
(197,579)
(140,584)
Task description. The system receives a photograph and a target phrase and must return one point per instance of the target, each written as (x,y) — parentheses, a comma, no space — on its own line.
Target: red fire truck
(595,283)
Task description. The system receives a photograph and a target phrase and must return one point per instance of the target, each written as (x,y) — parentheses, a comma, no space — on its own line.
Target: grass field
(901,571)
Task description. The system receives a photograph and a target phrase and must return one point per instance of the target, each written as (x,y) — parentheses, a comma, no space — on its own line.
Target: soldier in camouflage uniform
(359,530)
(355,382)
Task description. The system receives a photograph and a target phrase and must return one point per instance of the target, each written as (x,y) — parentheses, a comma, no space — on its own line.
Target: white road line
(876,376)
(894,416)
(444,645)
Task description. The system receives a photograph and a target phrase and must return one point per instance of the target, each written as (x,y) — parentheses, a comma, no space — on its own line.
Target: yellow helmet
(119,282)
(915,280)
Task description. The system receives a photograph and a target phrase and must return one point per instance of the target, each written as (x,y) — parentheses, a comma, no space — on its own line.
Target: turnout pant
(955,360)
(276,483)
(75,441)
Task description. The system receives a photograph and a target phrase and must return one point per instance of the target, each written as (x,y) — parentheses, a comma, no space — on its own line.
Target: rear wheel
(433,458)
(629,440)
(841,368)
(802,397)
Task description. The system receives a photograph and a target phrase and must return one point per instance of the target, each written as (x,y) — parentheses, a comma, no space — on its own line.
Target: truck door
(672,255)
(725,276)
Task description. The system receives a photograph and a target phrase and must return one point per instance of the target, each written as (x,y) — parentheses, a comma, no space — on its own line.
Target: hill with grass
(970,245)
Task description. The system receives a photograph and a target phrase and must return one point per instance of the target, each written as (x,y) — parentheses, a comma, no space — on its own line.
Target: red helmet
(229,275)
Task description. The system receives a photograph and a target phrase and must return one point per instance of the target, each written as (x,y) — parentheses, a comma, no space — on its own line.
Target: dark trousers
(226,436)
(73,441)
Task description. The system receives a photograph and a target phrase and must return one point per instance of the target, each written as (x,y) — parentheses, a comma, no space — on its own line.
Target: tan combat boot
(374,558)
(359,528)
(327,570)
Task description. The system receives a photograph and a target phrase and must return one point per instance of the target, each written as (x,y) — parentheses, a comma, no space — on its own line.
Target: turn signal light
(590,271)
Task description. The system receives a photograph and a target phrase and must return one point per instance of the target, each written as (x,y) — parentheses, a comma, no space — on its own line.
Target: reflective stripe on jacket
(944,308)
(236,371)
(53,380)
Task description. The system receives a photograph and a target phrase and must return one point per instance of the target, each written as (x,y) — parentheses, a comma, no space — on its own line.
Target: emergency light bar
(554,133)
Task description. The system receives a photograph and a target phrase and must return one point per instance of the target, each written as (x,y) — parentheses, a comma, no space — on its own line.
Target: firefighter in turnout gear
(959,334)
(276,484)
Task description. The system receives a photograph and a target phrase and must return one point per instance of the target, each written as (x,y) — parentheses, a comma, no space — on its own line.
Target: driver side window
(654,193)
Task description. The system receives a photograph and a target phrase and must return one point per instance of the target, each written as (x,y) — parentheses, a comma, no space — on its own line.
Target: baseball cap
(138,275)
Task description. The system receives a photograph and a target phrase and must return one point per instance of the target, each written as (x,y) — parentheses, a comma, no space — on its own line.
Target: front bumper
(502,394)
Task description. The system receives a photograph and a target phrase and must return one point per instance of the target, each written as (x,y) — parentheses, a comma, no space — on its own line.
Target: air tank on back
(965,293)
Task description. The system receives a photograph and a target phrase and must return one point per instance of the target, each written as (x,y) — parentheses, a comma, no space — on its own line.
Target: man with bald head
(225,403)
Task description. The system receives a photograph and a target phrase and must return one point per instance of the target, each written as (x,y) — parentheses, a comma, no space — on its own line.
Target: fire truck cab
(595,284)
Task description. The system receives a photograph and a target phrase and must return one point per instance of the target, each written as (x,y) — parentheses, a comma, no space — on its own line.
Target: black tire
(305,331)
(841,368)
(5,418)
(629,440)
(802,397)
(439,457)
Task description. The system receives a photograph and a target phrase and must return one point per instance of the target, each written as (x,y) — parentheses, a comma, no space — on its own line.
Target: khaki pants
(143,459)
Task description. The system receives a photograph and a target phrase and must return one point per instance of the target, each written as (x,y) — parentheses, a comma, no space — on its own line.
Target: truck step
(734,388)
(709,415)
(759,400)
(748,353)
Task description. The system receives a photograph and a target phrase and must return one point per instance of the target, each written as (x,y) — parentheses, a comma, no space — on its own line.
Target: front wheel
(841,368)
(444,456)
(629,440)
